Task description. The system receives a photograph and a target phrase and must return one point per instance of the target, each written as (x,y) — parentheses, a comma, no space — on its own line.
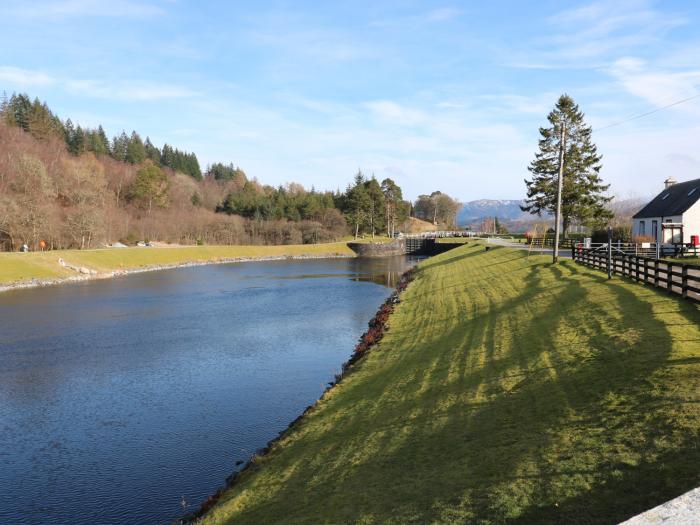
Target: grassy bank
(506,390)
(19,267)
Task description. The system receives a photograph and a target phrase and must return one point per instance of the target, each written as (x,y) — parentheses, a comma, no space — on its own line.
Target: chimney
(669,182)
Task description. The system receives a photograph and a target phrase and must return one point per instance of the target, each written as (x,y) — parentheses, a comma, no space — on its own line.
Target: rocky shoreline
(90,275)
(377,326)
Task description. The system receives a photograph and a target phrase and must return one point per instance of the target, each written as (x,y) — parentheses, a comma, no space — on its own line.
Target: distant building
(673,216)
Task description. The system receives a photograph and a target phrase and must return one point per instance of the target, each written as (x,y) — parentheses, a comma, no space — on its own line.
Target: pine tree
(69,134)
(394,210)
(41,123)
(99,143)
(135,150)
(150,187)
(583,191)
(358,203)
(19,108)
(78,142)
(167,156)
(119,147)
(4,103)
(152,152)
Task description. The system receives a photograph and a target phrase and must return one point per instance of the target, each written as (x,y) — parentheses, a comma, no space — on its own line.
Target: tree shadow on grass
(581,437)
(513,429)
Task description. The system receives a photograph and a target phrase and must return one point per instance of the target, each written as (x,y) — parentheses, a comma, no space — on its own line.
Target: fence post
(609,252)
(669,276)
(685,281)
(646,270)
(656,272)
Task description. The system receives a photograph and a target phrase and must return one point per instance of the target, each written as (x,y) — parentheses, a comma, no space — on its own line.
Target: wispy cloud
(657,86)
(395,113)
(125,89)
(133,90)
(589,35)
(85,8)
(443,14)
(24,78)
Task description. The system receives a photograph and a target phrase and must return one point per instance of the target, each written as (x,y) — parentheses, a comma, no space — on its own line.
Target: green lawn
(17,267)
(685,260)
(507,390)
(455,240)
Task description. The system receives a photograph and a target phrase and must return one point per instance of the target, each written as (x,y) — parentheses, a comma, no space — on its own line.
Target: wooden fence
(677,278)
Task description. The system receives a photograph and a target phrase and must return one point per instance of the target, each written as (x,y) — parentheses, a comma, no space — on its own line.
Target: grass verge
(19,267)
(506,390)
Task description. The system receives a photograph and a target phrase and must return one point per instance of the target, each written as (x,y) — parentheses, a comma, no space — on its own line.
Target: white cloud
(86,8)
(442,14)
(513,103)
(587,36)
(24,78)
(133,90)
(394,113)
(656,86)
(127,90)
(640,159)
(309,43)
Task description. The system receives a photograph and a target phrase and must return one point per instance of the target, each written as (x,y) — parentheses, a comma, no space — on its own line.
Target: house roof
(674,200)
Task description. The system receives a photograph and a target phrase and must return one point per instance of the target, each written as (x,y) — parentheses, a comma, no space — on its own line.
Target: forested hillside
(72,187)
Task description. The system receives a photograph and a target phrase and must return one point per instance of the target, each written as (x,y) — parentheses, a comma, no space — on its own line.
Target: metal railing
(678,278)
(439,235)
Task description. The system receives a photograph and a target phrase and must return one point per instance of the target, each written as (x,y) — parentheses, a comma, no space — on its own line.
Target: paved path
(563,252)
(683,510)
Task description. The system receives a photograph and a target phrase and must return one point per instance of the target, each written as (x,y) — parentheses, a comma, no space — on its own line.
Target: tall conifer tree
(583,191)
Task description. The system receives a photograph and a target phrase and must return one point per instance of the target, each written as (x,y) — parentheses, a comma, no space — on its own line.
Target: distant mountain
(510,215)
(505,210)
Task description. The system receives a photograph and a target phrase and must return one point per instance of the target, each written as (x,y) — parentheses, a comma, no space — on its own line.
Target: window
(665,197)
(642,229)
(691,192)
(655,230)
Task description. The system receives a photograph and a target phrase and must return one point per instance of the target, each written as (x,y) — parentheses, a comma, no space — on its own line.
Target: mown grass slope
(16,267)
(507,390)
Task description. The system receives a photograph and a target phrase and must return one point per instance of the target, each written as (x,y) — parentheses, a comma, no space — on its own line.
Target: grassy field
(686,260)
(507,390)
(455,240)
(18,267)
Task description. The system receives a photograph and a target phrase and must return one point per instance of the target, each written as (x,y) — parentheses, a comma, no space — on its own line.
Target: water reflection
(385,271)
(118,397)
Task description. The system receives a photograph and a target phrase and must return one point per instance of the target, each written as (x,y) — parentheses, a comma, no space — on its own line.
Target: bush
(130,240)
(619,233)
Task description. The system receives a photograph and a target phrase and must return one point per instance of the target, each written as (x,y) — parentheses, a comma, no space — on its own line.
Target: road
(563,252)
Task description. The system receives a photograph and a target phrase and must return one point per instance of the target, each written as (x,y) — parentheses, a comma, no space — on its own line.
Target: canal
(122,399)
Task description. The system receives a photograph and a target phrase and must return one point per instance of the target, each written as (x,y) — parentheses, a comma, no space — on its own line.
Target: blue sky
(436,95)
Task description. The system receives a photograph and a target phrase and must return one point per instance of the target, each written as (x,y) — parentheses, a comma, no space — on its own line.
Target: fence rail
(677,278)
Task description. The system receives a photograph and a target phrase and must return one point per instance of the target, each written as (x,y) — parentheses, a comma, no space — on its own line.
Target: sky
(436,95)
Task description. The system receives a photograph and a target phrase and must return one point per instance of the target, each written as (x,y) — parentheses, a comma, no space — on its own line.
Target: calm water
(119,397)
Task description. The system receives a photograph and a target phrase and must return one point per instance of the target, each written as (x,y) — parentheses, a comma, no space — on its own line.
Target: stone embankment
(379,249)
(402,246)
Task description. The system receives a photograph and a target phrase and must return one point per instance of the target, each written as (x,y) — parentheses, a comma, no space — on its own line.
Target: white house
(673,216)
